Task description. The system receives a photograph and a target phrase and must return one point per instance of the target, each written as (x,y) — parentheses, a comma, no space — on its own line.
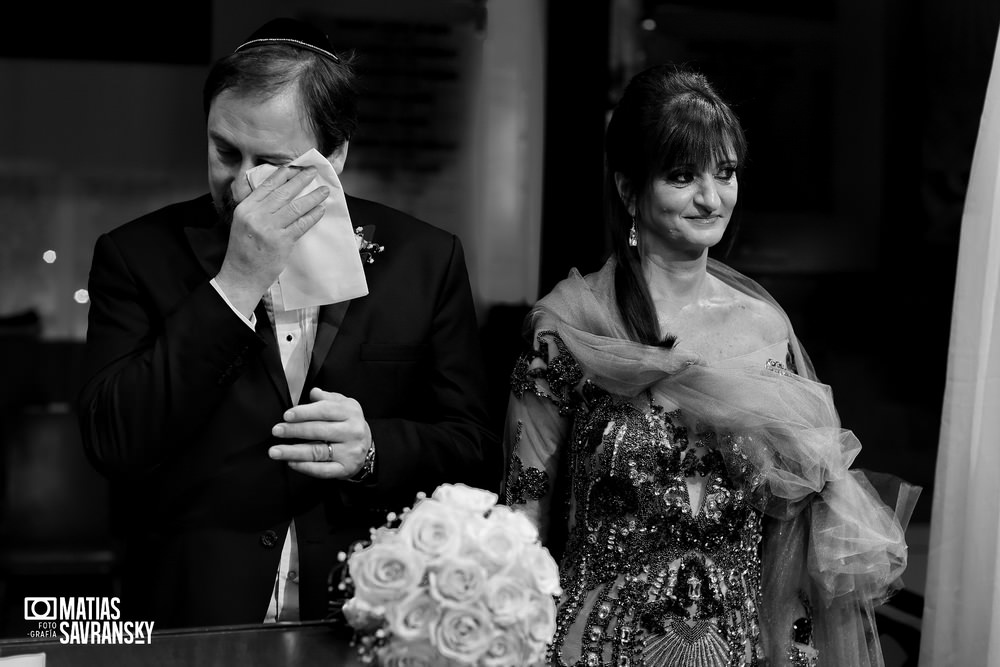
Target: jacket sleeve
(153,375)
(455,443)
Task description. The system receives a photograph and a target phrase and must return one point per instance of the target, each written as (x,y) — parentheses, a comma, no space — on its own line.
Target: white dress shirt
(295,331)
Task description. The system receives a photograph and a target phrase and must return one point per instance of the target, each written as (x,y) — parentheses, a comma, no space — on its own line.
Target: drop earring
(633,234)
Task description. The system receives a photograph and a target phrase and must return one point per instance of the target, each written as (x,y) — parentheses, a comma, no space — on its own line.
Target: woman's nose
(707,196)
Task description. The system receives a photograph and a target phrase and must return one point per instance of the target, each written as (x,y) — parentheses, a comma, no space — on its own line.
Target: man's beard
(225,209)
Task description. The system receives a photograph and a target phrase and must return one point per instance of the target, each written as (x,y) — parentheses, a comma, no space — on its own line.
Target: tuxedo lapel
(330,319)
(270,355)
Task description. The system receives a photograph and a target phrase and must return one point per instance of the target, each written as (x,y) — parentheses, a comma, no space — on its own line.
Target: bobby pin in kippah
(285,40)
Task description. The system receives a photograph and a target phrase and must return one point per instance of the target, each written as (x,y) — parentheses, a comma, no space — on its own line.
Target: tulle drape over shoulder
(779,433)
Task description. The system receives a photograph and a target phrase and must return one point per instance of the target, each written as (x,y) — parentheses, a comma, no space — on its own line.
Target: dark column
(575,104)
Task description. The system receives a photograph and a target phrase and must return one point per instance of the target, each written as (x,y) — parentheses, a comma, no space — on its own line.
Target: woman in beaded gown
(668,436)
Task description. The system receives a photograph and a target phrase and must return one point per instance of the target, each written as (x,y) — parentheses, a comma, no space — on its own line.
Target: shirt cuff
(252,322)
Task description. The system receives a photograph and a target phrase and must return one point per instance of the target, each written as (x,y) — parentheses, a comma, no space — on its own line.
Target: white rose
(363,616)
(384,571)
(507,599)
(493,545)
(539,621)
(463,634)
(457,581)
(383,533)
(413,617)
(516,523)
(506,649)
(432,529)
(541,569)
(466,498)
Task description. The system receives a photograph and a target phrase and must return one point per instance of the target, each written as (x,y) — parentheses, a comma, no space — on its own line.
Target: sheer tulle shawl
(780,432)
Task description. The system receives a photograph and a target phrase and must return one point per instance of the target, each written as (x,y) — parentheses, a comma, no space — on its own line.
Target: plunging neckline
(695,487)
(699,486)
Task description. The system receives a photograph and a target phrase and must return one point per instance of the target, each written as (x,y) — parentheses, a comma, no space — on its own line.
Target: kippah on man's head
(290,31)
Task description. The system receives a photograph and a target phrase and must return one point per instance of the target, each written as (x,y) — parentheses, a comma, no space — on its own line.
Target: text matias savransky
(84,620)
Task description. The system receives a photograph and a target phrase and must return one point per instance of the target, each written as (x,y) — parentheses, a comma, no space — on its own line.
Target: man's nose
(240,187)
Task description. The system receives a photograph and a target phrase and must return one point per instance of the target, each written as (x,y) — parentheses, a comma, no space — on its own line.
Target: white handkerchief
(325,265)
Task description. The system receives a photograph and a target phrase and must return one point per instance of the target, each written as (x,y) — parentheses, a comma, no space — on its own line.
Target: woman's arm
(539,417)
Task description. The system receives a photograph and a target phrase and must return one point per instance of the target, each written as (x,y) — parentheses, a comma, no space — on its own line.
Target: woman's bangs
(697,135)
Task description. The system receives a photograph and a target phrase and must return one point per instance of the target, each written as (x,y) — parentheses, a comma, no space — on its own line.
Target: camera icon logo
(40,609)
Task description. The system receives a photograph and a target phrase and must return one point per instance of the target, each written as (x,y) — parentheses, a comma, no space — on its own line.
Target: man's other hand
(330,434)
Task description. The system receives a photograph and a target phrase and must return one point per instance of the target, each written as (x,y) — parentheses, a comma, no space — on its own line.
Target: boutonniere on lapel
(366,246)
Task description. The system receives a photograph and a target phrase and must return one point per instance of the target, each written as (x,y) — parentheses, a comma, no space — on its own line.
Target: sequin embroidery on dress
(649,578)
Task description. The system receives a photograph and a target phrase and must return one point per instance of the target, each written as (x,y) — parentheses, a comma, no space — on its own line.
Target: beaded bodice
(661,563)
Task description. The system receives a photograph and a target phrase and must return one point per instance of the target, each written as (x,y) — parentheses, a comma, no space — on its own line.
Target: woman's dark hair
(667,116)
(328,89)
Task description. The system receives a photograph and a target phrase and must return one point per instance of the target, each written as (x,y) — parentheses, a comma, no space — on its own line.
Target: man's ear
(338,157)
(624,188)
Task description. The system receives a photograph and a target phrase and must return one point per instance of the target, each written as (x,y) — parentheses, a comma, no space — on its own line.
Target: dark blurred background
(486,117)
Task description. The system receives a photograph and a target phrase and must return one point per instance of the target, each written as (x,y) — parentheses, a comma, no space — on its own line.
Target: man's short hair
(328,89)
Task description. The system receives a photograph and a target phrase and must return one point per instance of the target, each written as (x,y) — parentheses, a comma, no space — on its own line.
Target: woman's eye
(681,176)
(726,173)
(227,155)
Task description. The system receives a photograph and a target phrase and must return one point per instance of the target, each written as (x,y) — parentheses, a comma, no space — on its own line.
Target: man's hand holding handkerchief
(324,266)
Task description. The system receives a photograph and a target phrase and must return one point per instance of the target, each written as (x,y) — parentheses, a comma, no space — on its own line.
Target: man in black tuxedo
(254,443)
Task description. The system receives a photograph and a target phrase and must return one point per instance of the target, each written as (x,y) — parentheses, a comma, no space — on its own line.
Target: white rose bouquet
(456,580)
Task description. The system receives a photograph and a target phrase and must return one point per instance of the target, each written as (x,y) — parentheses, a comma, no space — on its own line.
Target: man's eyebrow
(217,138)
(267,157)
(277,157)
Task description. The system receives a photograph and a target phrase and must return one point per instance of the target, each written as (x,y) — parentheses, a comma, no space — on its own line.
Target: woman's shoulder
(584,302)
(754,315)
(751,299)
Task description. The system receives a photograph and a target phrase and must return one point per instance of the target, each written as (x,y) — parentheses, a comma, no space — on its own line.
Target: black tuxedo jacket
(181,396)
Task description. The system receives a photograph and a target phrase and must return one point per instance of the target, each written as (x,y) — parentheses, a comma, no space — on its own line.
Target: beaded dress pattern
(661,565)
